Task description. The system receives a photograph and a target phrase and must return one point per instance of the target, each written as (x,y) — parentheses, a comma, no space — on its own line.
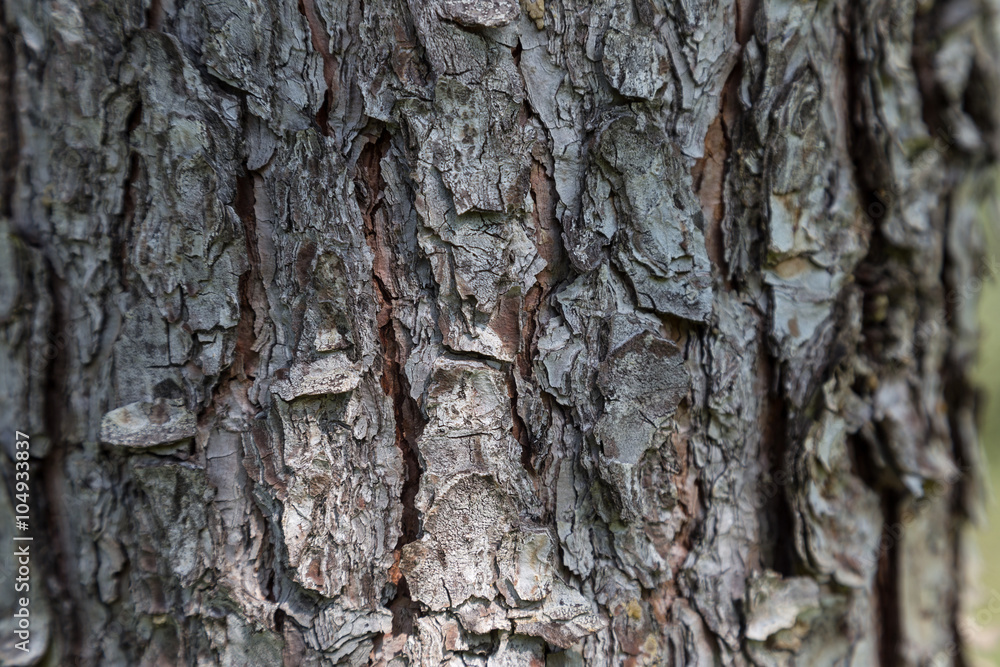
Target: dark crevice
(251,287)
(549,241)
(520,430)
(719,151)
(121,232)
(279,621)
(887,612)
(874,187)
(963,401)
(871,180)
(238,378)
(65,594)
(269,587)
(871,170)
(321,43)
(239,375)
(863,464)
(746,10)
(960,395)
(154,15)
(778,539)
(927,26)
(978,102)
(886,276)
(323,115)
(870,457)
(9,135)
(396,385)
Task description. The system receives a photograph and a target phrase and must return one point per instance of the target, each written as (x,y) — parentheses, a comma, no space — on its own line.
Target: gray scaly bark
(626,332)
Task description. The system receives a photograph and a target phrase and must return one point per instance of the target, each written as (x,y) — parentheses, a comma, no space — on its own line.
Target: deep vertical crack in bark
(778,540)
(238,378)
(887,592)
(926,26)
(321,43)
(154,15)
(9,136)
(520,430)
(871,171)
(251,288)
(711,172)
(121,232)
(63,590)
(408,418)
(960,395)
(886,608)
(871,181)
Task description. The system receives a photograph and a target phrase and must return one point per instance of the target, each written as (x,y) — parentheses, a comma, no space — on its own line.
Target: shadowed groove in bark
(886,612)
(121,231)
(887,598)
(928,24)
(407,416)
(960,395)
(778,541)
(52,482)
(710,173)
(321,43)
(548,239)
(867,155)
(871,181)
(882,480)
(240,374)
(244,356)
(879,283)
(520,430)
(708,176)
(9,136)
(154,15)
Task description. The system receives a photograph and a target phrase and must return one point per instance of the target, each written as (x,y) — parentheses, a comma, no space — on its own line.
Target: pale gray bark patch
(144,424)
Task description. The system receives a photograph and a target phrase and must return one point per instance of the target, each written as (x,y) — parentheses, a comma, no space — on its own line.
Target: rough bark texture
(483,333)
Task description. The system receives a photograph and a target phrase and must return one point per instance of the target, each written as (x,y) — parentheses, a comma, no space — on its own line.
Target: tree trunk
(486,333)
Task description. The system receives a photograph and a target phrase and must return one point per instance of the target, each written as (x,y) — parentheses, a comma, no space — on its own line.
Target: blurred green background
(984,573)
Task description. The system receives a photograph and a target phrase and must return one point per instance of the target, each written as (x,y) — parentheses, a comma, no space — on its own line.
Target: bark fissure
(154,15)
(961,396)
(251,288)
(777,440)
(870,171)
(121,232)
(887,592)
(9,135)
(396,385)
(321,43)
(928,23)
(883,481)
(520,430)
(53,480)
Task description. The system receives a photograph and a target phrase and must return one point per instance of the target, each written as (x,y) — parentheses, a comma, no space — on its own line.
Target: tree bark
(484,333)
